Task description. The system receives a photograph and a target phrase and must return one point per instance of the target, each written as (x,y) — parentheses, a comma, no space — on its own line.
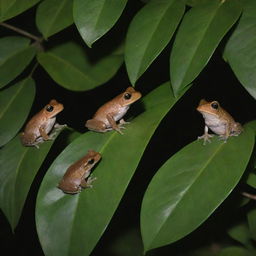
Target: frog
(218,120)
(107,116)
(77,176)
(39,127)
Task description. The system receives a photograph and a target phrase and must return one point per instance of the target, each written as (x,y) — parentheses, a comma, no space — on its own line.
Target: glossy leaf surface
(15,55)
(17,98)
(19,166)
(149,32)
(69,65)
(94,18)
(80,213)
(200,32)
(190,186)
(53,16)
(11,8)
(240,50)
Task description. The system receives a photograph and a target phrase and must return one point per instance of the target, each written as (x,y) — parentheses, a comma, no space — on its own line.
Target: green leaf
(251,179)
(241,233)
(149,32)
(15,55)
(234,251)
(11,8)
(19,166)
(240,50)
(199,34)
(15,99)
(251,217)
(94,18)
(190,186)
(83,225)
(69,65)
(53,16)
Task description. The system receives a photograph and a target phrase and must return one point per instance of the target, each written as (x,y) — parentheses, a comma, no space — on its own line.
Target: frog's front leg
(227,133)
(206,136)
(87,183)
(114,125)
(43,133)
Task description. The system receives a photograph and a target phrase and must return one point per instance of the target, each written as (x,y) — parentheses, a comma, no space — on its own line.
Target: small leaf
(234,251)
(251,217)
(53,16)
(15,99)
(69,65)
(199,34)
(251,179)
(241,233)
(19,166)
(240,50)
(80,213)
(94,18)
(15,55)
(11,8)
(190,186)
(150,31)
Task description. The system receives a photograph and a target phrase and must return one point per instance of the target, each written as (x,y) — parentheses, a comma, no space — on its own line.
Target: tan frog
(106,117)
(40,125)
(218,120)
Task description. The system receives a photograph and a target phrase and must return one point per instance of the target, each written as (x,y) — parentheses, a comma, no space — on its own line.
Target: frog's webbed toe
(206,137)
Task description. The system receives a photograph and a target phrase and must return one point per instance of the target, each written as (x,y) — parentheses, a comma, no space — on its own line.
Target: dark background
(180,127)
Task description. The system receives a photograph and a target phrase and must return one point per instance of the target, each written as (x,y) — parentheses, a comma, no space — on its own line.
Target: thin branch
(21,31)
(250,196)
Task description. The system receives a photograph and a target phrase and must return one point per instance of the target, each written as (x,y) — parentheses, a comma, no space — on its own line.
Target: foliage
(192,184)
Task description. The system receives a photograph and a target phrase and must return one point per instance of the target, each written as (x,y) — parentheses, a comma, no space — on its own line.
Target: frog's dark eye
(215,105)
(127,96)
(49,108)
(91,161)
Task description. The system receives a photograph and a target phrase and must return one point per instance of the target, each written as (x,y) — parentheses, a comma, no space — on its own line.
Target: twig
(250,196)
(21,31)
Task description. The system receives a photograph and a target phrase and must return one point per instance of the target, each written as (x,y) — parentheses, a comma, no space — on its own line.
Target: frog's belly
(215,124)
(118,115)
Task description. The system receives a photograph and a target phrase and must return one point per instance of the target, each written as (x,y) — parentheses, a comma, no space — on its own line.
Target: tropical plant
(84,52)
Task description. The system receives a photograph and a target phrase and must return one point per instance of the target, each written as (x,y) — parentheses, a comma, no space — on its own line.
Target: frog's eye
(127,96)
(91,161)
(215,105)
(49,108)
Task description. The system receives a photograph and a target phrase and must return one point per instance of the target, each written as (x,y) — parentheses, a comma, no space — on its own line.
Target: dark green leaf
(251,179)
(11,8)
(18,97)
(251,216)
(195,2)
(15,55)
(94,18)
(240,50)
(190,186)
(234,251)
(83,225)
(53,16)
(69,65)
(241,233)
(199,34)
(19,166)
(150,31)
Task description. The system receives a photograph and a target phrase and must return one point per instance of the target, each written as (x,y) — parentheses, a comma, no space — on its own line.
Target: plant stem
(250,196)
(21,31)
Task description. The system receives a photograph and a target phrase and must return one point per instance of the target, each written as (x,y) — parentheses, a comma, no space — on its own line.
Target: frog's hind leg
(87,183)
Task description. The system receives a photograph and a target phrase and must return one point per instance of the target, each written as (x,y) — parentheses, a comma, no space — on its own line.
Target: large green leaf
(150,31)
(19,166)
(199,34)
(15,99)
(72,225)
(69,65)
(190,186)
(15,55)
(240,50)
(53,16)
(11,8)
(94,18)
